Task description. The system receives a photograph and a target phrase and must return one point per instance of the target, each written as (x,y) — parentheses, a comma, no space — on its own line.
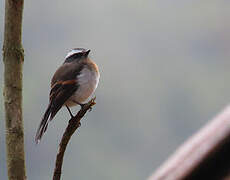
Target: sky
(164,74)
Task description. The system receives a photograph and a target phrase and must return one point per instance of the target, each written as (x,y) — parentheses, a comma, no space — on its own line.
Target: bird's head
(76,54)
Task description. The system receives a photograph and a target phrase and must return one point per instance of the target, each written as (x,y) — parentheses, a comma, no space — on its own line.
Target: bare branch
(204,156)
(74,123)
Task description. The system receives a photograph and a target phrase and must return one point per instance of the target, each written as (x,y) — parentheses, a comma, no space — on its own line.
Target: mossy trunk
(13,58)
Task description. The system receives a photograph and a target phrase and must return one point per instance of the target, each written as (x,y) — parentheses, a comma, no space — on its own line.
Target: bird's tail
(43,125)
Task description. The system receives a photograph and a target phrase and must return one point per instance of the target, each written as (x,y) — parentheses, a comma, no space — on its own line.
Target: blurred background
(164,74)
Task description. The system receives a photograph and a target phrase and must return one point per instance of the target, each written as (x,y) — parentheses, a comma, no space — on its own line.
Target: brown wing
(67,71)
(63,85)
(60,92)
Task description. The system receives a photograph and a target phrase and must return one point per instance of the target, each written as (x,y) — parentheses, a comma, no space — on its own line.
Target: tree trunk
(13,57)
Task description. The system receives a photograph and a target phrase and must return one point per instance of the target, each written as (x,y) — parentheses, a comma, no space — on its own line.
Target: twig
(204,156)
(74,123)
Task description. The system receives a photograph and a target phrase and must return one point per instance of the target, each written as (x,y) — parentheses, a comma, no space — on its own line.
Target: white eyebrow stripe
(73,51)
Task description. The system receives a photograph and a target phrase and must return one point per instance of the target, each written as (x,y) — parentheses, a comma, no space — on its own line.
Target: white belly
(87,81)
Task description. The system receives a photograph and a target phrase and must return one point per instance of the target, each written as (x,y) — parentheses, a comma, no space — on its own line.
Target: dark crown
(76,54)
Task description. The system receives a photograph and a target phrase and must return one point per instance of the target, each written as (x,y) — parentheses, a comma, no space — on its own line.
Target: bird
(72,84)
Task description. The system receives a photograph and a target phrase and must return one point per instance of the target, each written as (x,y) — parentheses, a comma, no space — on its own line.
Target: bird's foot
(72,116)
(82,106)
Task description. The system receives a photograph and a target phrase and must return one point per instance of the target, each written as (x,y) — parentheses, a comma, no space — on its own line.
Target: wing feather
(60,92)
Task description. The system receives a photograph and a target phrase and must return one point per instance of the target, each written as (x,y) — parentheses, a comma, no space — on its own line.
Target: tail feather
(55,110)
(43,125)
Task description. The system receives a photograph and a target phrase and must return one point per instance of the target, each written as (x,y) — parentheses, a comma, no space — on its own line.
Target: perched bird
(73,83)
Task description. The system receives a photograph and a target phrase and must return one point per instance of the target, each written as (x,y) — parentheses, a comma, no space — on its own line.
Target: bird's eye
(77,55)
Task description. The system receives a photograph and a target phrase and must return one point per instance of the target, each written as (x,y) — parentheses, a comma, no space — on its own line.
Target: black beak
(87,53)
